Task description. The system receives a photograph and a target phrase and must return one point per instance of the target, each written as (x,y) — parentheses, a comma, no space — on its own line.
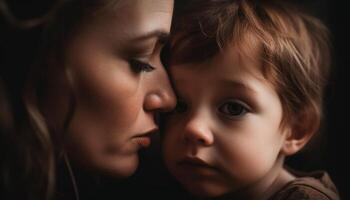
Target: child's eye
(233,109)
(138,66)
(180,107)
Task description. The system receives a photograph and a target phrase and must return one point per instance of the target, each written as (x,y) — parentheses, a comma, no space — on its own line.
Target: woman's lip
(144,139)
(148,133)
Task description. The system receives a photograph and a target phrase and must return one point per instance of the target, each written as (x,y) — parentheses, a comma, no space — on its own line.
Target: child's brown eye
(139,66)
(181,107)
(233,109)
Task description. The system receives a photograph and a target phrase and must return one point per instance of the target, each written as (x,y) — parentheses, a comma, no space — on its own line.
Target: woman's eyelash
(139,66)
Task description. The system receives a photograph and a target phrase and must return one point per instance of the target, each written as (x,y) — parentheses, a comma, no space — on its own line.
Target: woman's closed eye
(234,109)
(139,66)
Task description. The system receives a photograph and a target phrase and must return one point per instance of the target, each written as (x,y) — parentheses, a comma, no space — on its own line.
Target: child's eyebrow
(238,84)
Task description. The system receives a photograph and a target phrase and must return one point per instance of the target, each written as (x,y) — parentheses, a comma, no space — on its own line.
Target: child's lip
(195,161)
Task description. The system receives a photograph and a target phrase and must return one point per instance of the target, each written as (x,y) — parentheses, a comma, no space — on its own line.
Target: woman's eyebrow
(161,35)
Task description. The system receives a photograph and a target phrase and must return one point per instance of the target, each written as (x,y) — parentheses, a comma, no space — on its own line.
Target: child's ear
(299,133)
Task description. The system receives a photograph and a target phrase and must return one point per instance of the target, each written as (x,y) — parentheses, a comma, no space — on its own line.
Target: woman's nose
(162,98)
(162,101)
(198,132)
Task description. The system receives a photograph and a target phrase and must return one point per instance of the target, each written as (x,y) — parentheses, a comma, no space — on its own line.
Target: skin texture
(120,85)
(226,128)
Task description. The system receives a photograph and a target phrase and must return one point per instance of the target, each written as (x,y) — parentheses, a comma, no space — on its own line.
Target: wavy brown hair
(32,50)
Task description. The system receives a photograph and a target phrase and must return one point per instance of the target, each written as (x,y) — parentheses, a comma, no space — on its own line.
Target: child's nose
(196,131)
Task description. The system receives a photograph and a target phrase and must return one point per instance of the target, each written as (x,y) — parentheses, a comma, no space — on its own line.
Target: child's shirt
(308,186)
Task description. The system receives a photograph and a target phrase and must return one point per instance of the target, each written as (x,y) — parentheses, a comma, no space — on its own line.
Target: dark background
(330,153)
(333,151)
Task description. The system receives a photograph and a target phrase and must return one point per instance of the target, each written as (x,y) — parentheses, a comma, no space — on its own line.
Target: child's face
(225,133)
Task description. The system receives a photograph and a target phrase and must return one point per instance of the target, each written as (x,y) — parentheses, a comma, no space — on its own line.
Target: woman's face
(120,85)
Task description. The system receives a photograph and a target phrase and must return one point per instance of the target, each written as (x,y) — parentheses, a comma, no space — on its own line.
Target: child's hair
(293,47)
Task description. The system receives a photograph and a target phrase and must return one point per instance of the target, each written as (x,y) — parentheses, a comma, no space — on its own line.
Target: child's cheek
(248,162)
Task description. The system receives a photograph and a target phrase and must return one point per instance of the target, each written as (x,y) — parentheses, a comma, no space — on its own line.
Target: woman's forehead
(135,17)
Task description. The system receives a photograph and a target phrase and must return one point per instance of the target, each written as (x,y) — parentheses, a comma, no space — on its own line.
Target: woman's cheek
(111,92)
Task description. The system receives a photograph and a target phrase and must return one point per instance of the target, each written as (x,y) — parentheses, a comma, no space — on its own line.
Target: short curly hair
(295,48)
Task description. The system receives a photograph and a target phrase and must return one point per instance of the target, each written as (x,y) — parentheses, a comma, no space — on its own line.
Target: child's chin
(206,190)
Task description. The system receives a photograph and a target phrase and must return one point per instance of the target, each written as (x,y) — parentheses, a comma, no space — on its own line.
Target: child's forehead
(238,60)
(229,66)
(197,47)
(230,63)
(245,53)
(247,48)
(225,74)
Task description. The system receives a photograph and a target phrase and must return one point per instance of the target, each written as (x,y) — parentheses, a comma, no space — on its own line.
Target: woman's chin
(120,168)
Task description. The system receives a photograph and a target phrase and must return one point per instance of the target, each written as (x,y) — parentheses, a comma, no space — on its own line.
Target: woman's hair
(293,48)
(32,51)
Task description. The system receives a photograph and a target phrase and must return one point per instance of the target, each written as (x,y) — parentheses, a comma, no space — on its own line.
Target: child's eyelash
(234,109)
(140,66)
(181,106)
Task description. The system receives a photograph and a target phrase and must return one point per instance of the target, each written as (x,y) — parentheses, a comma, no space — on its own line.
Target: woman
(90,95)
